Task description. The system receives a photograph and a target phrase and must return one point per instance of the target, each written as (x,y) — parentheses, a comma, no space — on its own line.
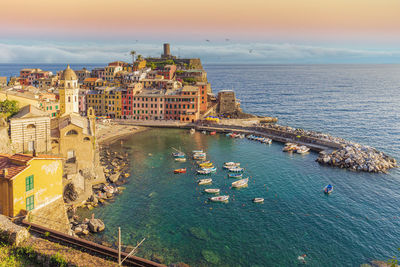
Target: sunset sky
(263,31)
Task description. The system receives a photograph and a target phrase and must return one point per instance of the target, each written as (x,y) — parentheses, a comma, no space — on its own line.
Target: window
(29,183)
(30,203)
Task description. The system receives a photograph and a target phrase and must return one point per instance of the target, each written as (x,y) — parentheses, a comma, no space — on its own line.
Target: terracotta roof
(90,79)
(17,163)
(30,111)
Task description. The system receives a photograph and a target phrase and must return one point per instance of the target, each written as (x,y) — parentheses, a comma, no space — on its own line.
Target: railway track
(88,246)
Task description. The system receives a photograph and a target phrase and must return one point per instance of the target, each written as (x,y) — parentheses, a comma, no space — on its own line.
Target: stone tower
(69,92)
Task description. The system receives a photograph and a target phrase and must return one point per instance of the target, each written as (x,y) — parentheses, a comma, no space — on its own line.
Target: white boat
(197,151)
(192,131)
(219,199)
(180,159)
(240,183)
(204,132)
(232,164)
(236,169)
(302,150)
(204,181)
(212,190)
(258,200)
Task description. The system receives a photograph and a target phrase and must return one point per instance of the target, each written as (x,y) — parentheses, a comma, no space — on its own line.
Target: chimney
(5,172)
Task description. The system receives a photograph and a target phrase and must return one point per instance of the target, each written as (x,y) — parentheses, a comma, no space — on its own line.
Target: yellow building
(29,182)
(106,101)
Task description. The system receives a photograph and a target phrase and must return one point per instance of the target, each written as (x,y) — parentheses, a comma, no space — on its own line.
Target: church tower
(69,92)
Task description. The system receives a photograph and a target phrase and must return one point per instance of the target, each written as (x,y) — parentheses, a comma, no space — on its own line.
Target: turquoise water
(178,222)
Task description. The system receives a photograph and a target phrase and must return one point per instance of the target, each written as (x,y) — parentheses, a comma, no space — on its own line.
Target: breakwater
(334,151)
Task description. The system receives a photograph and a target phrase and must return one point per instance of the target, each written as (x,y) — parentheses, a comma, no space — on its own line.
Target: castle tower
(69,92)
(167,51)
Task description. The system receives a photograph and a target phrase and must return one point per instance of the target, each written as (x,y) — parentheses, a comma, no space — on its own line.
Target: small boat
(212,190)
(219,199)
(204,181)
(203,172)
(328,189)
(267,141)
(197,151)
(213,133)
(229,165)
(302,150)
(235,175)
(180,159)
(236,169)
(204,132)
(192,131)
(203,161)
(211,169)
(290,148)
(110,189)
(258,200)
(206,165)
(178,154)
(180,170)
(240,183)
(228,134)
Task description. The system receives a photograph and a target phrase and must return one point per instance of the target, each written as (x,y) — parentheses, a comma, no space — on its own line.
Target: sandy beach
(107,133)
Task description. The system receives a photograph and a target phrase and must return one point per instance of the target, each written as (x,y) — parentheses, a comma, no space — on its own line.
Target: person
(302,258)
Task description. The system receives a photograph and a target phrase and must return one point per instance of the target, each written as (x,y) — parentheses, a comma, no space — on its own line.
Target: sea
(358,223)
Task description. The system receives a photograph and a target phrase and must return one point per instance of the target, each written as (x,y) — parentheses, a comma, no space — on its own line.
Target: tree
(8,108)
(133,53)
(139,57)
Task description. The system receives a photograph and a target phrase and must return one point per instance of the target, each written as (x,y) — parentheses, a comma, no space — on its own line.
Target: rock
(198,233)
(85,232)
(78,230)
(210,256)
(12,233)
(70,193)
(114,177)
(96,225)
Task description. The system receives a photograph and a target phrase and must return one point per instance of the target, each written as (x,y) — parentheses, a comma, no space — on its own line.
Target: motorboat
(235,175)
(212,190)
(219,199)
(328,189)
(302,150)
(240,183)
(180,159)
(204,181)
(236,169)
(183,170)
(290,148)
(258,200)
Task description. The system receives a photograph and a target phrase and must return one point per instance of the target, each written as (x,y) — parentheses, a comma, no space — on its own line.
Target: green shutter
(29,183)
(30,203)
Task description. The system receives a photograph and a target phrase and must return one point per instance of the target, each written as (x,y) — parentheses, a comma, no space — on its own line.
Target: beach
(107,133)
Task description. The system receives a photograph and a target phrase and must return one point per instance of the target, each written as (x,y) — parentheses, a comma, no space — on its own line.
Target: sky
(217,31)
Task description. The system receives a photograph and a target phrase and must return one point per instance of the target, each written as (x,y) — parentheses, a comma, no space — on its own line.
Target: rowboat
(258,200)
(211,169)
(219,199)
(180,170)
(206,165)
(203,172)
(178,154)
(213,133)
(197,151)
(235,175)
(236,169)
(240,183)
(230,165)
(302,150)
(180,159)
(203,161)
(204,181)
(328,189)
(212,190)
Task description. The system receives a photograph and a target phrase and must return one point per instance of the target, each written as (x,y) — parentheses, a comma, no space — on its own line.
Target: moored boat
(211,169)
(206,165)
(180,159)
(258,200)
(204,181)
(197,151)
(203,172)
(219,199)
(235,175)
(192,131)
(290,148)
(213,133)
(230,165)
(328,189)
(240,183)
(236,169)
(212,190)
(302,150)
(183,170)
(178,154)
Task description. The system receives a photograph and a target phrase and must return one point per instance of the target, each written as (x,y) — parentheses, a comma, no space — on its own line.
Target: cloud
(227,52)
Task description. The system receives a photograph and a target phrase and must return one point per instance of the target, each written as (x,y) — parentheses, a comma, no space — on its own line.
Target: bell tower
(69,92)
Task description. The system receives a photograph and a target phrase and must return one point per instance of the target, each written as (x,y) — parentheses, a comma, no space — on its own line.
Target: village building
(29,182)
(3,82)
(110,71)
(106,101)
(82,74)
(30,130)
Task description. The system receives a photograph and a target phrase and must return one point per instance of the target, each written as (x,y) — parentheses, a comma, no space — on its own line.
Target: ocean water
(358,223)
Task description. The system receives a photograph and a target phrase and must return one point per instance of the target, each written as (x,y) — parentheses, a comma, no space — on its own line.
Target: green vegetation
(58,261)
(8,108)
(17,256)
(160,64)
(394,261)
(189,80)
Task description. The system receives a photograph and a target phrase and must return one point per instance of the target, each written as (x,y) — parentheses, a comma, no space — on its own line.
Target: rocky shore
(116,170)
(358,158)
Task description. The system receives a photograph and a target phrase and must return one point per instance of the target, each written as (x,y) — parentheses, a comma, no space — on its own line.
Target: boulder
(114,177)
(12,233)
(96,225)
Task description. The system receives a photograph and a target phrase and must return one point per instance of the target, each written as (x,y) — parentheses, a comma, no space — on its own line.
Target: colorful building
(91,83)
(106,101)
(29,182)
(168,72)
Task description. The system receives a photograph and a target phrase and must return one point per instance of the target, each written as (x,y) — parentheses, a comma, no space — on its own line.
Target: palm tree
(133,53)
(139,57)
